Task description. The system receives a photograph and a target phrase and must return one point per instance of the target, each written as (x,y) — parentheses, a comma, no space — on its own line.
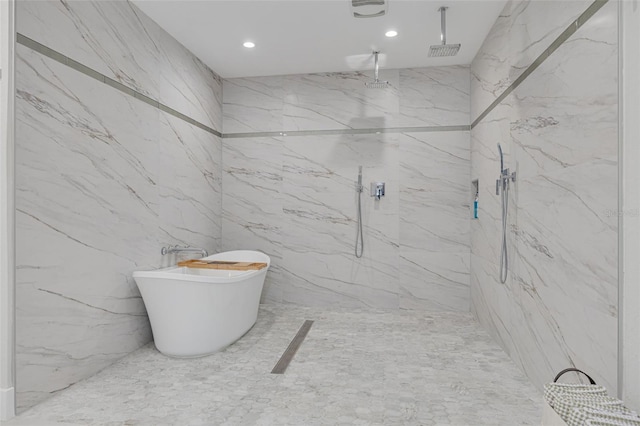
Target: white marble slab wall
(104,180)
(293,196)
(559,130)
(521,33)
(434,220)
(116,39)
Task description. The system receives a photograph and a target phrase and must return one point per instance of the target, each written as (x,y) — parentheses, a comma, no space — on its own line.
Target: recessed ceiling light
(249,44)
(391,33)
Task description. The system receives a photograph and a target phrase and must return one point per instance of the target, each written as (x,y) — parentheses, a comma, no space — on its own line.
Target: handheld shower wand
(359,234)
(503,183)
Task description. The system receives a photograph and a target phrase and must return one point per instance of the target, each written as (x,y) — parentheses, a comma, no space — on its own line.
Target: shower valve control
(377,189)
(503,182)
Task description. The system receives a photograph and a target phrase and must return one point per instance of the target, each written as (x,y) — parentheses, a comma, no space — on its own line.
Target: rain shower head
(444,49)
(376,84)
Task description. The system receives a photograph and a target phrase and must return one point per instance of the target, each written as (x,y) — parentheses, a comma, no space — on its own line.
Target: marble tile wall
(103,181)
(418,97)
(434,220)
(294,196)
(559,130)
(116,39)
(521,33)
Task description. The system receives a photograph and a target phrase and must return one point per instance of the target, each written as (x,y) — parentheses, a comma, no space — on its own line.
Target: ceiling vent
(368,8)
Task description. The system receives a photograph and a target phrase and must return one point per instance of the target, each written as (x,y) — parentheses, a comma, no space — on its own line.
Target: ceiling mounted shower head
(376,84)
(443,49)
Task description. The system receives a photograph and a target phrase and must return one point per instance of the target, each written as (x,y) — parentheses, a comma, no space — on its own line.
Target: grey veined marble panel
(253,104)
(103,181)
(320,209)
(434,96)
(252,207)
(435,191)
(559,132)
(294,197)
(417,97)
(339,101)
(434,221)
(119,41)
(433,281)
(521,33)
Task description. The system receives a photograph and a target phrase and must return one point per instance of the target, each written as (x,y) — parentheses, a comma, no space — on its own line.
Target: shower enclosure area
(293,196)
(556,304)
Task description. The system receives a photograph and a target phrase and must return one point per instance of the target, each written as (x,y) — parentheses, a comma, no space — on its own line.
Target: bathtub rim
(169,273)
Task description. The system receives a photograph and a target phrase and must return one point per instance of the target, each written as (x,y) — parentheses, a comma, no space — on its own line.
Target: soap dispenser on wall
(475,207)
(475,189)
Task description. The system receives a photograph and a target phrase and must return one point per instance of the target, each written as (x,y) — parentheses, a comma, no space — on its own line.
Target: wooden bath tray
(222,264)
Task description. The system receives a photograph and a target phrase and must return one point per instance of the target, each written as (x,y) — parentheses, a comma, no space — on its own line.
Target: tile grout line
(71,63)
(290,352)
(559,41)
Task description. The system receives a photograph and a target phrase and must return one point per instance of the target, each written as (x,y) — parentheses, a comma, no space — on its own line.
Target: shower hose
(359,236)
(504,258)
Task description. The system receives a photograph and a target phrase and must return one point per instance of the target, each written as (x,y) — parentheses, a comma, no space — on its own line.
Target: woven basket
(592,417)
(576,409)
(579,405)
(554,390)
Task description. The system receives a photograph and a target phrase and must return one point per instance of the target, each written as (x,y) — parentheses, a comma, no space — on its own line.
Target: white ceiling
(309,36)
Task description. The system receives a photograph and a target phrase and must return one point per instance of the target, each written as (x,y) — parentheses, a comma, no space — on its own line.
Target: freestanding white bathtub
(195,312)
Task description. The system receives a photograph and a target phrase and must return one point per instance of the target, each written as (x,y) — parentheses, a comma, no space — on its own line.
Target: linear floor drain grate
(293,347)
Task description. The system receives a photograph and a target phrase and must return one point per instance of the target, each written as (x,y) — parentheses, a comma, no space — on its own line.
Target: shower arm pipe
(178,249)
(443,24)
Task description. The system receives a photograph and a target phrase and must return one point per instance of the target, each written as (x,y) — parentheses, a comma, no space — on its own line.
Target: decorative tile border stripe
(568,32)
(460,128)
(293,347)
(65,60)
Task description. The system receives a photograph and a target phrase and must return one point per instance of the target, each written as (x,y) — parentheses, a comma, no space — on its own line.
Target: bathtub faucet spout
(178,249)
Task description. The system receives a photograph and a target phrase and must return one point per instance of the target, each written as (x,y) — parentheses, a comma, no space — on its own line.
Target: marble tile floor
(356,367)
